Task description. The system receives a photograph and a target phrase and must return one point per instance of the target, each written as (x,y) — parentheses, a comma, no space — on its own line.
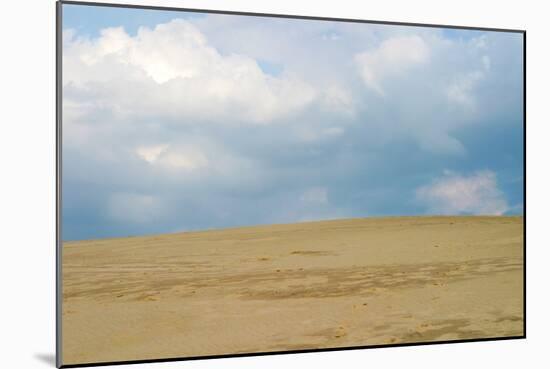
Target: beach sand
(341,283)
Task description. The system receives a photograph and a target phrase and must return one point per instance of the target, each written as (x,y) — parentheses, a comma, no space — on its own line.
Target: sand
(342,283)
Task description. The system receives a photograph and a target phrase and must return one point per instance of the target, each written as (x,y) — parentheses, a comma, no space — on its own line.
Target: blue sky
(89,20)
(179,121)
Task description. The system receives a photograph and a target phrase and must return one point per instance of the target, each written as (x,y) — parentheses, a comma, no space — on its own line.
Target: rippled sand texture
(313,285)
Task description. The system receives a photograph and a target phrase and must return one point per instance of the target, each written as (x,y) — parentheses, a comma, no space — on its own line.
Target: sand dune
(324,284)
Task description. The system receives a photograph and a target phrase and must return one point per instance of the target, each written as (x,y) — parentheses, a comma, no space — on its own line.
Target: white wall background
(27,188)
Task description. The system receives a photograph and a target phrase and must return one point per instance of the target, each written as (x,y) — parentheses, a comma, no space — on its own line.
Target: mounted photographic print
(237,184)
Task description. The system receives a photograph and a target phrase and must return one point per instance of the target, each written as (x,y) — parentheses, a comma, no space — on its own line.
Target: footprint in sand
(341,332)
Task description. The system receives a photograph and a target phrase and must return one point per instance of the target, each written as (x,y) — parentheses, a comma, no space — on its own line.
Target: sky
(177,121)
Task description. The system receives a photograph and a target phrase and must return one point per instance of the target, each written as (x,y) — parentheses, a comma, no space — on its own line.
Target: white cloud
(169,157)
(456,194)
(151,153)
(393,57)
(173,71)
(462,88)
(187,160)
(179,74)
(340,100)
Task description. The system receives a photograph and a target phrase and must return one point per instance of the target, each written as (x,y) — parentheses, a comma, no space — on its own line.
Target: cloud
(188,160)
(164,155)
(185,126)
(453,193)
(174,72)
(340,100)
(393,57)
(151,153)
(461,89)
